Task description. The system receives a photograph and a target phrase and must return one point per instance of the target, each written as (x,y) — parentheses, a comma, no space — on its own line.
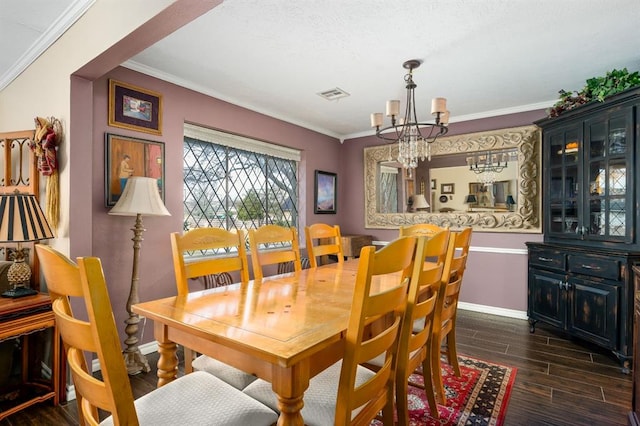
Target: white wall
(43,89)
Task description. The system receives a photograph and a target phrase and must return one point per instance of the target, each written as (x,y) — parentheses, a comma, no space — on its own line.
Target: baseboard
(151,347)
(503,312)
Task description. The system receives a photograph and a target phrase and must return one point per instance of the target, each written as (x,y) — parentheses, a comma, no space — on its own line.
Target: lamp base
(16,292)
(136,362)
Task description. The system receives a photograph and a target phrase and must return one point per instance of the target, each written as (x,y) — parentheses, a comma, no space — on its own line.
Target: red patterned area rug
(479,397)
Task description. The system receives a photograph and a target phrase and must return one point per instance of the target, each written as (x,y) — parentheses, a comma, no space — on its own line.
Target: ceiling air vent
(333,94)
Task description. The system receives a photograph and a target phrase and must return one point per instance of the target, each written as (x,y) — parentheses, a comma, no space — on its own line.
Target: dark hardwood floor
(559,381)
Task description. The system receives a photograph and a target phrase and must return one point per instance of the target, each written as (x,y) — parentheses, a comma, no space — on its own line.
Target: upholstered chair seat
(199,399)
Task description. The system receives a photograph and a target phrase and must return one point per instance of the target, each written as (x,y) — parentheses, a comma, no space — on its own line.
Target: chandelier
(414,138)
(488,165)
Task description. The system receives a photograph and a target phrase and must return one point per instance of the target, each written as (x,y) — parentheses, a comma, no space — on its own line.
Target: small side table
(20,318)
(352,244)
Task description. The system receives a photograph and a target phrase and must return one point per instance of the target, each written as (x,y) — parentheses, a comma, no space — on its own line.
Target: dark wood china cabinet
(581,277)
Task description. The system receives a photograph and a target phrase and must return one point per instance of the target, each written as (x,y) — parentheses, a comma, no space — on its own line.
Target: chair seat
(319,399)
(231,375)
(200,399)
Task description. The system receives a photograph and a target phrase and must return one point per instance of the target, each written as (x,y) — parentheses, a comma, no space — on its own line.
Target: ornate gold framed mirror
(504,199)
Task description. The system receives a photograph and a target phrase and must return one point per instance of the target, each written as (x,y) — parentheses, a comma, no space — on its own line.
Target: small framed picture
(126,157)
(433,185)
(325,192)
(447,188)
(134,108)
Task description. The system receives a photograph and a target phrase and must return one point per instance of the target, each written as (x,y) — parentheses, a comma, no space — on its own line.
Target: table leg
(168,360)
(289,385)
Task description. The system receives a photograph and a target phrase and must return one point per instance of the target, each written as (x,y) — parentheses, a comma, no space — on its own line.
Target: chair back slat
(88,385)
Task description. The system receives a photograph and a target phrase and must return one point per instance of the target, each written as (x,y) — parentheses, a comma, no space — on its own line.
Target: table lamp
(470,199)
(21,220)
(140,197)
(420,203)
(510,202)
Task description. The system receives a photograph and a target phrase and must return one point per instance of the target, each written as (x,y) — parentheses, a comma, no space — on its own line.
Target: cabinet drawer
(549,259)
(594,266)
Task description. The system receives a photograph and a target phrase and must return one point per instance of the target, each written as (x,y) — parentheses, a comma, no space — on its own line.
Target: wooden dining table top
(280,316)
(290,325)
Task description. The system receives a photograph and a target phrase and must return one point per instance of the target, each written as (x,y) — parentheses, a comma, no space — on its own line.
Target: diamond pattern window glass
(234,188)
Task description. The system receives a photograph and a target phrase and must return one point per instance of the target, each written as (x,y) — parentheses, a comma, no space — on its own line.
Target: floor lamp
(21,220)
(141,197)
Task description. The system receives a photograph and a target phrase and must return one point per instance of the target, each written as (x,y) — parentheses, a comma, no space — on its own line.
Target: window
(234,182)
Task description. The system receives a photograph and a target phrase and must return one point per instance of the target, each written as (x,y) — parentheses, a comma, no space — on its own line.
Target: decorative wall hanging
(325,192)
(47,137)
(447,188)
(126,157)
(134,108)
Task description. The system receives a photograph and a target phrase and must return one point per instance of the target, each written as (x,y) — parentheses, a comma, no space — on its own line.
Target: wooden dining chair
(414,348)
(444,329)
(273,244)
(211,240)
(347,393)
(321,232)
(210,267)
(426,229)
(192,399)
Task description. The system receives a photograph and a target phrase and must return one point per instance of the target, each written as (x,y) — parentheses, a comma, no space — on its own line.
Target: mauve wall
(112,234)
(496,274)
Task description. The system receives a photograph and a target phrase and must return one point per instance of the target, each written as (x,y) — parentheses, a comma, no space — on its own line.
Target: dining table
(284,328)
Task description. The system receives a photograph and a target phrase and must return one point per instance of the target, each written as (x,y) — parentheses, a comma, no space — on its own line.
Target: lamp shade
(140,196)
(470,199)
(510,200)
(419,202)
(22,219)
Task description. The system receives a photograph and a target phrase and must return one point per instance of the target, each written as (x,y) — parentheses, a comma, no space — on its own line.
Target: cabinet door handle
(594,268)
(565,285)
(544,259)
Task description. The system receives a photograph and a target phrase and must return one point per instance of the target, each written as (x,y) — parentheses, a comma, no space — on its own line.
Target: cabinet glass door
(565,152)
(606,169)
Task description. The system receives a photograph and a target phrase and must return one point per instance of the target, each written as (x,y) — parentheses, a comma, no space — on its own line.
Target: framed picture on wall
(126,157)
(447,188)
(134,108)
(324,194)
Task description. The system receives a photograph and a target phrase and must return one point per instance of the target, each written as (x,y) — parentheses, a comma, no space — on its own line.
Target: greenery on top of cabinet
(596,89)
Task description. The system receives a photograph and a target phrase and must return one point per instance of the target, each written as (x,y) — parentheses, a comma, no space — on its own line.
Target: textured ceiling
(487,57)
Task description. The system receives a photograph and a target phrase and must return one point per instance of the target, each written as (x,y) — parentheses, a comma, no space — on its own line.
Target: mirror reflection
(487,180)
